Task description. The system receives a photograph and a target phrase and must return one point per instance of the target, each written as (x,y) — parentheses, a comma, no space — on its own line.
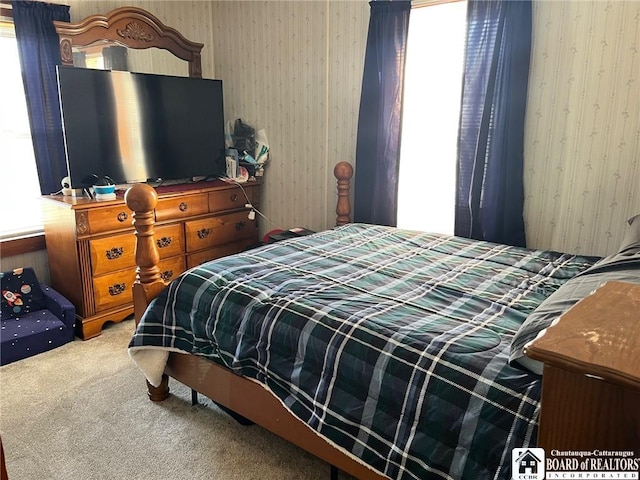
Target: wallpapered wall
(294,68)
(582,152)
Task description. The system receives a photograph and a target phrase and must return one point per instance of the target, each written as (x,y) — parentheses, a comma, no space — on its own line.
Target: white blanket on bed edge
(151,360)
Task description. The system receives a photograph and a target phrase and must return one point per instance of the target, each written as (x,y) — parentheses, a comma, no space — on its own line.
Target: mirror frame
(130,27)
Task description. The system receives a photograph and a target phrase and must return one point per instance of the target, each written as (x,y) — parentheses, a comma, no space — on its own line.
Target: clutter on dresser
(104,189)
(246,148)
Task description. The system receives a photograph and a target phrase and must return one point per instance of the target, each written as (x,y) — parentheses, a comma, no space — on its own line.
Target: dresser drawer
(112,253)
(181,207)
(210,232)
(169,240)
(171,268)
(103,219)
(113,289)
(228,199)
(118,251)
(202,256)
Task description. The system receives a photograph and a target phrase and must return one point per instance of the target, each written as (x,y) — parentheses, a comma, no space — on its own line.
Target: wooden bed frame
(589,396)
(240,395)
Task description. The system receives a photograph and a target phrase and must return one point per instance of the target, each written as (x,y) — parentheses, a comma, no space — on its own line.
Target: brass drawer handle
(241,225)
(117,289)
(234,197)
(164,242)
(166,275)
(204,233)
(183,207)
(122,216)
(114,253)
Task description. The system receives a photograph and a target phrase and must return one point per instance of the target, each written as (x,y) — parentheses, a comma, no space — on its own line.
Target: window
(19,186)
(431,111)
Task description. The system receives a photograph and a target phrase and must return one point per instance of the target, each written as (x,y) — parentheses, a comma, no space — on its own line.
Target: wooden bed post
(142,200)
(343,172)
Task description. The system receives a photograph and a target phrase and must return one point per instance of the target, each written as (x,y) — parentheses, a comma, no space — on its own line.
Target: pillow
(614,267)
(21,293)
(631,240)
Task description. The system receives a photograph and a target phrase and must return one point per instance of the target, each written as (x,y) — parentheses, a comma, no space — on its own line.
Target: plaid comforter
(391,344)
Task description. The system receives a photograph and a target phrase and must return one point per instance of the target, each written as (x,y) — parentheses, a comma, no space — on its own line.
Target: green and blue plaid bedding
(391,344)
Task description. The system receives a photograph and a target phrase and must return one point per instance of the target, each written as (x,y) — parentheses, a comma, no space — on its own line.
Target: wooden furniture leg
(334,473)
(161,392)
(3,465)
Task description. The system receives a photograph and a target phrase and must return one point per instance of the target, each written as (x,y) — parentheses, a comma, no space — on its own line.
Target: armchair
(35,318)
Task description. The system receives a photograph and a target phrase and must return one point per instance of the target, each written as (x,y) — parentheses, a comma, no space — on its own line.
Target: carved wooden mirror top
(130,27)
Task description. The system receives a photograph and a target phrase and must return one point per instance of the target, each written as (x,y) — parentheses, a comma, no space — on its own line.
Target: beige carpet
(81,412)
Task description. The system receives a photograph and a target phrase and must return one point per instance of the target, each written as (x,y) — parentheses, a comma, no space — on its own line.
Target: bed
(385,352)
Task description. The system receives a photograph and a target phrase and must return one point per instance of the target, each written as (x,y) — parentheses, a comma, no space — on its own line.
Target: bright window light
(19,187)
(431,111)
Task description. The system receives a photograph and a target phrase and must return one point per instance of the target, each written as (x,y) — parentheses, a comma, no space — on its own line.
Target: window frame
(10,247)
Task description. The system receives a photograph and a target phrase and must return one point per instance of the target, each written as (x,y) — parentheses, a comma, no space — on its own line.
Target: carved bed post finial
(142,200)
(343,172)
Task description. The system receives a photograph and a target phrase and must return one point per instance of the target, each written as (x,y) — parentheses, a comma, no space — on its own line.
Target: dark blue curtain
(490,191)
(39,54)
(378,144)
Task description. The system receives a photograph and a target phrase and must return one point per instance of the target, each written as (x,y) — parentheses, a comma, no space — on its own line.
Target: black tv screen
(135,127)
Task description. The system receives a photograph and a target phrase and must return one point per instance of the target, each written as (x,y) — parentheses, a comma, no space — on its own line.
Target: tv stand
(90,243)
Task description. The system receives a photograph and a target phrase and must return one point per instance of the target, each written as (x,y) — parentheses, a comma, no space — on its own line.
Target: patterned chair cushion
(35,317)
(21,293)
(33,333)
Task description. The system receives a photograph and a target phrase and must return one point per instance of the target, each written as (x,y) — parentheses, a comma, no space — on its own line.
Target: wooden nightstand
(591,380)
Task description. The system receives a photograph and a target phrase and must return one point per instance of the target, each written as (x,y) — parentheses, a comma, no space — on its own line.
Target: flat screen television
(135,127)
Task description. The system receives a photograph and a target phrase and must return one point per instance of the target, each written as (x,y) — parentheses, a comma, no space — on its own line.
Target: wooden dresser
(591,380)
(90,243)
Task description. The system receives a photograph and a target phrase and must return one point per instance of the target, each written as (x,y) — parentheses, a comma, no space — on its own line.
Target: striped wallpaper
(294,68)
(582,136)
